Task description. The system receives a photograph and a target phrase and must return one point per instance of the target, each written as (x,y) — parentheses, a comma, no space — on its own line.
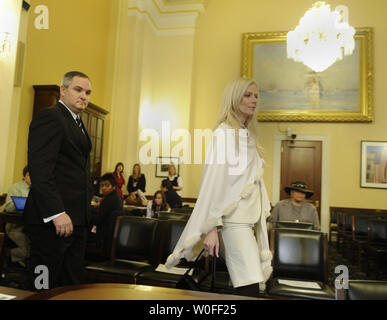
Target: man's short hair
(110,178)
(68,77)
(166,183)
(25,171)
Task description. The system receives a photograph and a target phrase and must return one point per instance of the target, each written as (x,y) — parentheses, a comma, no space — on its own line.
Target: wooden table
(20,294)
(118,291)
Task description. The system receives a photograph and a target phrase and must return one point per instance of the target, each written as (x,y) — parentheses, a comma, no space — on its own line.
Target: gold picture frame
(341,93)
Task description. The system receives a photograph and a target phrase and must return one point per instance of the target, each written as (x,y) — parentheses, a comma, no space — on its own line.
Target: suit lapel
(81,140)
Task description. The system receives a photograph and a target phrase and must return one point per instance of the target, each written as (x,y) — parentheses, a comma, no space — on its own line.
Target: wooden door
(301,161)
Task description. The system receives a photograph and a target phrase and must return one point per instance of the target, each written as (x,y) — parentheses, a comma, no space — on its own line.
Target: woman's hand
(211,242)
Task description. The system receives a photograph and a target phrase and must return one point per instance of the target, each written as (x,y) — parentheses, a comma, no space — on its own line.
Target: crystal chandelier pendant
(322,37)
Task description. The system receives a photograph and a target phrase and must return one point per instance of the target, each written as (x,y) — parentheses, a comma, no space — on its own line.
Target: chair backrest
(109,232)
(294,225)
(164,215)
(360,226)
(135,238)
(136,212)
(300,254)
(333,216)
(172,233)
(186,210)
(366,290)
(347,221)
(377,231)
(339,217)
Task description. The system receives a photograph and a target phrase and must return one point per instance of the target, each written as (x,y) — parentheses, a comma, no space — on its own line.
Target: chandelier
(322,37)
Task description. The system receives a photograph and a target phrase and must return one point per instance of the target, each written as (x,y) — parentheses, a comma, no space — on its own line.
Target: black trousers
(63,257)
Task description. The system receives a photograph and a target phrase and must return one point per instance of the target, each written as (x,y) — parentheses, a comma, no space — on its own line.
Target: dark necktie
(79,122)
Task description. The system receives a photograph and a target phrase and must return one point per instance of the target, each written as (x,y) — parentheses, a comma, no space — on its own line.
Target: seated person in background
(172,197)
(159,203)
(177,181)
(296,208)
(110,202)
(119,176)
(16,231)
(136,183)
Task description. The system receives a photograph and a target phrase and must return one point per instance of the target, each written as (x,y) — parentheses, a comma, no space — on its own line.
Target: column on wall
(150,78)
(10,11)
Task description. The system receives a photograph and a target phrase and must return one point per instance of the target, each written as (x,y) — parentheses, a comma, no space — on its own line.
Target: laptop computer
(19,202)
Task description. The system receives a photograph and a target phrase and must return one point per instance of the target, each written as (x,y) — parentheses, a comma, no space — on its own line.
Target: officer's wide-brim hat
(301,187)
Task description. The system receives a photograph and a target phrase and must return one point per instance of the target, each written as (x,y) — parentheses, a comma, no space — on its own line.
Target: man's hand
(211,242)
(63,225)
(95,204)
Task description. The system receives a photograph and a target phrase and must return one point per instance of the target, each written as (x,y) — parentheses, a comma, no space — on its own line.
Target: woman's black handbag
(189,283)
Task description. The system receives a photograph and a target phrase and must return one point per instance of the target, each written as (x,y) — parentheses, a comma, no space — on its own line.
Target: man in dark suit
(57,212)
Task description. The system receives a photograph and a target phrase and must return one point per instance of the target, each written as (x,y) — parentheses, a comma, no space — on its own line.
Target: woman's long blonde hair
(232,97)
(139,171)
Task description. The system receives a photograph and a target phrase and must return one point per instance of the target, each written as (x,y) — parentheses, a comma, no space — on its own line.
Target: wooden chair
(344,234)
(376,250)
(359,238)
(333,226)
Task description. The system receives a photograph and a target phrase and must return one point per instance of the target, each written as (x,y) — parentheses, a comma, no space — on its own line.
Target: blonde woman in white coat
(232,196)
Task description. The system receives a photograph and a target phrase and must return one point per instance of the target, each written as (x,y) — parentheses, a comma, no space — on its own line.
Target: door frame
(325,171)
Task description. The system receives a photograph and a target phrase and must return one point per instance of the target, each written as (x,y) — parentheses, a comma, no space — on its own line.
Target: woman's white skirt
(242,254)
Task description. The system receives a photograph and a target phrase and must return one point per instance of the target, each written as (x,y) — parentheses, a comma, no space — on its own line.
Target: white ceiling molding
(180,5)
(167,19)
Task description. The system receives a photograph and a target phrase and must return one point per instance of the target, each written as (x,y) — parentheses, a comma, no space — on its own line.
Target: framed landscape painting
(290,91)
(373,164)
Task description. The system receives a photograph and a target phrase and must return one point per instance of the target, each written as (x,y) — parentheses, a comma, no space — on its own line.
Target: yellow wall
(77,39)
(218,59)
(97,38)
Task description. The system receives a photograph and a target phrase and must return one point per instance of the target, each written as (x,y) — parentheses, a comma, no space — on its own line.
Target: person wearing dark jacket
(173,198)
(136,181)
(111,201)
(57,211)
(136,187)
